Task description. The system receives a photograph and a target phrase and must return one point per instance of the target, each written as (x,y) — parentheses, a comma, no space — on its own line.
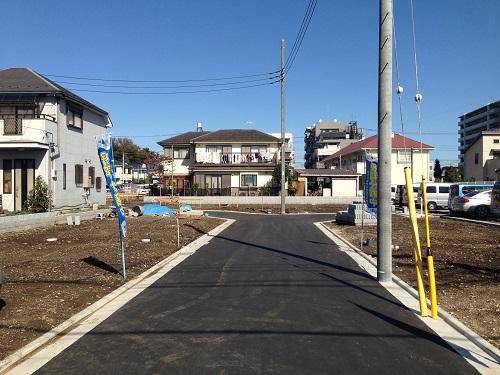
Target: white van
(437,194)
(415,194)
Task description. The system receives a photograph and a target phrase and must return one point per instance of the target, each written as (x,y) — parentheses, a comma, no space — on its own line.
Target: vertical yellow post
(417,255)
(430,258)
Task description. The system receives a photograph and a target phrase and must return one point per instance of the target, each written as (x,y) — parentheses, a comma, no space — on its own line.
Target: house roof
(236,135)
(371,143)
(326,172)
(181,139)
(27,81)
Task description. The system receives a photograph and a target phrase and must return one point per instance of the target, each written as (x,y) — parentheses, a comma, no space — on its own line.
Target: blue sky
(334,76)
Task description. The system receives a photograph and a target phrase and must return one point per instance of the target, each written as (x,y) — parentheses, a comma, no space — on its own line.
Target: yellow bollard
(430,258)
(417,255)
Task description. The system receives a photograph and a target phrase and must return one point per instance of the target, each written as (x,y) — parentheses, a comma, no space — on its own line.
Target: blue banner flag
(371,181)
(106,157)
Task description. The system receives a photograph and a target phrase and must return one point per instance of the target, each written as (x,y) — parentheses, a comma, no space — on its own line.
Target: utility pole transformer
(384,218)
(282,79)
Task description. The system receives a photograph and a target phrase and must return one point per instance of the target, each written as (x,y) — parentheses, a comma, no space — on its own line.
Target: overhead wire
(297,37)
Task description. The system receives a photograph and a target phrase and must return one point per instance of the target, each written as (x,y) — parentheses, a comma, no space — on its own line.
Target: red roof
(371,143)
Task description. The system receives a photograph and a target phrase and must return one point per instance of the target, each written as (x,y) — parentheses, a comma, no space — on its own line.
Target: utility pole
(282,76)
(172,175)
(123,166)
(384,218)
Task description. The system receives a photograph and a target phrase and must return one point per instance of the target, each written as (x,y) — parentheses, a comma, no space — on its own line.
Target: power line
(300,31)
(172,92)
(168,87)
(300,36)
(162,81)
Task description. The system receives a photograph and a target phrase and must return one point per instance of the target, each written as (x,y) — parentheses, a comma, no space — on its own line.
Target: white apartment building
(46,130)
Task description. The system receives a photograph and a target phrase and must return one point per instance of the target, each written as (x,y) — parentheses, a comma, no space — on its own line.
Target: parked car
(398,196)
(476,203)
(415,194)
(462,188)
(437,194)
(495,200)
(143,189)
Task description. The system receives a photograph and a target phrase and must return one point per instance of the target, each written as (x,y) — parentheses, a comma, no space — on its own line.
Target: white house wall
(76,146)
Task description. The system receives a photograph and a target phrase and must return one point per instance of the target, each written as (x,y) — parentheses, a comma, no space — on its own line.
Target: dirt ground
(48,282)
(467,262)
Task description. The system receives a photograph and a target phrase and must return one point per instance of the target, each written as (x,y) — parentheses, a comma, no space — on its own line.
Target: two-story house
(46,130)
(405,153)
(226,162)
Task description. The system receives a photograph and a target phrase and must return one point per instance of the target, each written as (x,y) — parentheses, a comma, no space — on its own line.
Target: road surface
(270,294)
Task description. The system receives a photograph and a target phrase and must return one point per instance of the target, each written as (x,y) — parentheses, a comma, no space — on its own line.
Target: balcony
(27,132)
(234,158)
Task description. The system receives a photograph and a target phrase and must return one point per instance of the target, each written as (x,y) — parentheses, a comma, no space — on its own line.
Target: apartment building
(405,153)
(48,131)
(324,138)
(482,157)
(222,162)
(472,124)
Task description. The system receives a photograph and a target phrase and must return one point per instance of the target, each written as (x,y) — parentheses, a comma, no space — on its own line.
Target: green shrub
(40,197)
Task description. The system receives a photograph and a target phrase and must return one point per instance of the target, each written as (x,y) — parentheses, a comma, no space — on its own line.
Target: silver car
(476,203)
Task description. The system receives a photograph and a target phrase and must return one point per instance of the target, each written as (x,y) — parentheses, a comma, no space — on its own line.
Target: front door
(24,179)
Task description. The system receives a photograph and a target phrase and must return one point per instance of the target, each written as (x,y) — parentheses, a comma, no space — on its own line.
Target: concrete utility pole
(384,218)
(282,79)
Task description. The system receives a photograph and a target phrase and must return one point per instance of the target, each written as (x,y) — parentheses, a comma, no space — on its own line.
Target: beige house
(406,152)
(482,157)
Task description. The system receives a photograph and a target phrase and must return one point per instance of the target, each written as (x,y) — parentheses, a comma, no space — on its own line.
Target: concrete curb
(482,222)
(488,349)
(31,357)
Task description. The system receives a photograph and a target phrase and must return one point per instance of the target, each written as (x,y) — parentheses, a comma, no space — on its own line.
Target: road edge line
(17,362)
(490,352)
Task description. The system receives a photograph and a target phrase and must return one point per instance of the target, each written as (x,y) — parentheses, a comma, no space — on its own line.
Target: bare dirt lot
(467,261)
(275,208)
(47,282)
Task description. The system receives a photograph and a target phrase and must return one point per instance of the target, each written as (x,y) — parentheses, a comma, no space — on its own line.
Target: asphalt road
(270,294)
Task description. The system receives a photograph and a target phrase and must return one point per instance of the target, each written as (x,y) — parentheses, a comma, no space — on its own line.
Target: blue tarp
(185,208)
(156,209)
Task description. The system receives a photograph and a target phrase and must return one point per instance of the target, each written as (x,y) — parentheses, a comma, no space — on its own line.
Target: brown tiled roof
(237,135)
(181,139)
(25,80)
(371,143)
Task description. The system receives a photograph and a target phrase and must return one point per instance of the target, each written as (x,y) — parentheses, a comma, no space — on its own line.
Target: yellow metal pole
(417,255)
(430,258)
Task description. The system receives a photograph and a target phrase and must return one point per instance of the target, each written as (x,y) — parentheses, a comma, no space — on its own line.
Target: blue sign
(106,157)
(371,183)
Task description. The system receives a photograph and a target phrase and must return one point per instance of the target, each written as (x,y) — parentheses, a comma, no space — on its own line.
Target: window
(431,189)
(181,153)
(74,117)
(64,176)
(496,141)
(98,183)
(7,176)
(444,189)
(91,176)
(476,158)
(248,180)
(79,175)
(404,156)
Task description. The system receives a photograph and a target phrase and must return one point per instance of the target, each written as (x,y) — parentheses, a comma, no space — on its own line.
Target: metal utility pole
(172,175)
(384,218)
(282,79)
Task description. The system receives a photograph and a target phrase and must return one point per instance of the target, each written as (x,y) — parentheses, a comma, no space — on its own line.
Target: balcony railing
(13,124)
(234,158)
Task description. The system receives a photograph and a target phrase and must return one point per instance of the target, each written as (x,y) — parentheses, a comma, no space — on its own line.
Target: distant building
(222,162)
(324,138)
(289,148)
(482,157)
(472,124)
(405,153)
(48,131)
